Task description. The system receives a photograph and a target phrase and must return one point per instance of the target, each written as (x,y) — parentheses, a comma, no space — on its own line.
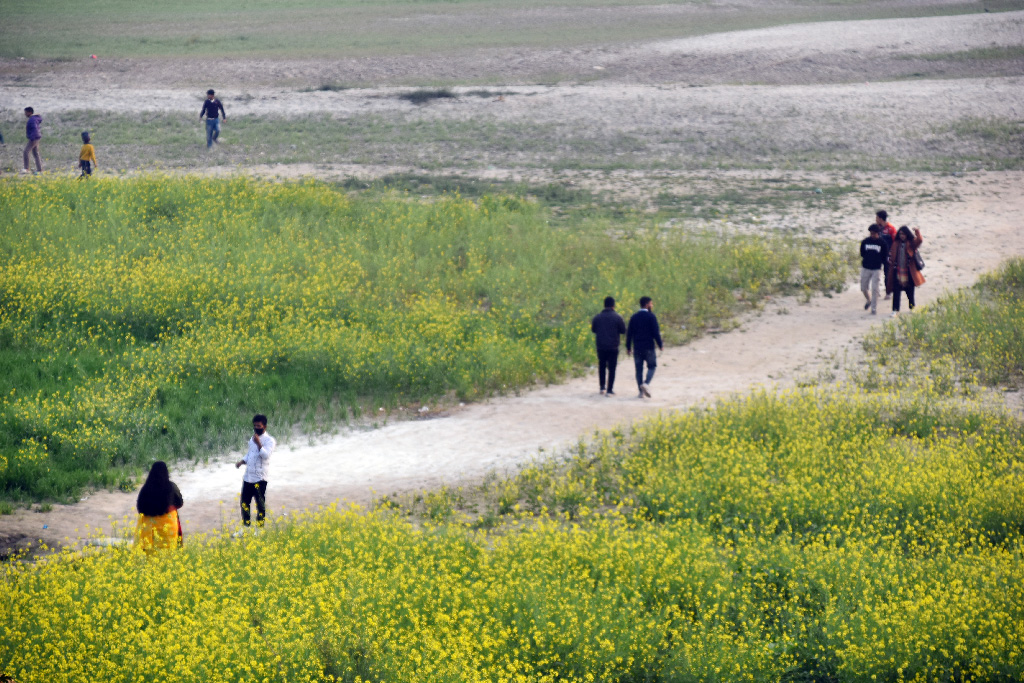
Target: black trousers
(607,359)
(249,491)
(897,289)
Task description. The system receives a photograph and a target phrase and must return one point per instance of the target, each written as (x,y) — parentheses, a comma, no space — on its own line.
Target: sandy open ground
(811,77)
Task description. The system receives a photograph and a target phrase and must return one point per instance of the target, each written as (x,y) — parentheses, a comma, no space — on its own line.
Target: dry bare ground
(810,82)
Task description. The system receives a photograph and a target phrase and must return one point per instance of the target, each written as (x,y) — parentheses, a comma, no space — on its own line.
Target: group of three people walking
(893,255)
(643,340)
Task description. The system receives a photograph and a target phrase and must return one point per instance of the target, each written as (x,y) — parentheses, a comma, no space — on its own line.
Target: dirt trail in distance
(971,233)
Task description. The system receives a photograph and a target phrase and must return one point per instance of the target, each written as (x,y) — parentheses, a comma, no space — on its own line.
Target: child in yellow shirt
(87,157)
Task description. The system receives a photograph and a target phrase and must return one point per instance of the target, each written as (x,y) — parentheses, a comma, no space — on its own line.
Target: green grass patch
(149,318)
(414,138)
(47,29)
(978,53)
(975,335)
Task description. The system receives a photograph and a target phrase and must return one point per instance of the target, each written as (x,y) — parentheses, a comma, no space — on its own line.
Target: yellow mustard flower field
(865,531)
(136,309)
(800,536)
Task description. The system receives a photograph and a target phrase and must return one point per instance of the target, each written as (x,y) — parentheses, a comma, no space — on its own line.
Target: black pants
(259,491)
(607,359)
(639,358)
(896,289)
(86,167)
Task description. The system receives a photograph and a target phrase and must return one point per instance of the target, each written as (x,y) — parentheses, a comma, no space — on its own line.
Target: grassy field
(147,318)
(319,28)
(177,141)
(974,336)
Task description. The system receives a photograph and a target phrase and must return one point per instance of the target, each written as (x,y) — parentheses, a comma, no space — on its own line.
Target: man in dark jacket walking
(641,336)
(34,135)
(608,327)
(213,110)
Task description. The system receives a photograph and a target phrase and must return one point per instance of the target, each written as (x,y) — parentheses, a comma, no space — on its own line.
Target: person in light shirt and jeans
(257,462)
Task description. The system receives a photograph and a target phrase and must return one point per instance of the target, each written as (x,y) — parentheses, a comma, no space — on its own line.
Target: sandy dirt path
(811,84)
(788,340)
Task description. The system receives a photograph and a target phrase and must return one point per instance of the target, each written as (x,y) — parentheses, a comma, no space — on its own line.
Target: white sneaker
(895,314)
(640,395)
(645,390)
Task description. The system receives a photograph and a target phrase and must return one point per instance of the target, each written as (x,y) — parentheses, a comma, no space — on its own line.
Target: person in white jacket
(257,462)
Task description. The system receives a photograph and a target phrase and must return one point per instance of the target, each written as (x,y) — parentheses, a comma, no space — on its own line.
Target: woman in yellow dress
(158,503)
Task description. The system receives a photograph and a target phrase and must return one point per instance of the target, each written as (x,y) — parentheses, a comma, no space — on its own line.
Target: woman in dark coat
(158,503)
(903,274)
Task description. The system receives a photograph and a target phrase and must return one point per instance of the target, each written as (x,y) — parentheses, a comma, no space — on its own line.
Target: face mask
(259,431)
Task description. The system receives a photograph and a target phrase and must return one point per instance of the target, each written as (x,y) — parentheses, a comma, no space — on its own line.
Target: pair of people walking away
(642,335)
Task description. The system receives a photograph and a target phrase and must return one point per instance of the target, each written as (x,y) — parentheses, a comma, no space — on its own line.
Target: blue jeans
(212,131)
(641,357)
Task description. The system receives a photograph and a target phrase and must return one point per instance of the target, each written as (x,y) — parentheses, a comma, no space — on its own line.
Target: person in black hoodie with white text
(874,251)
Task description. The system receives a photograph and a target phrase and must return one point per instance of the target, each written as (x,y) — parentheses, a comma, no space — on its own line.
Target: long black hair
(904,230)
(157,494)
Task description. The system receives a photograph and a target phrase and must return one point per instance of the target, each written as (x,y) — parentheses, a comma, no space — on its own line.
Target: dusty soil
(811,74)
(821,52)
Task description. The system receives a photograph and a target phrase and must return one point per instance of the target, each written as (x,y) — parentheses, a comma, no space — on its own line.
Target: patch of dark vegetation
(489,93)
(423,96)
(13,546)
(329,87)
(551,194)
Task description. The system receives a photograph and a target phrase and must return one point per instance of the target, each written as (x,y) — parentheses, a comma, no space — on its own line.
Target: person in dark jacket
(873,253)
(641,336)
(888,233)
(608,328)
(34,135)
(213,110)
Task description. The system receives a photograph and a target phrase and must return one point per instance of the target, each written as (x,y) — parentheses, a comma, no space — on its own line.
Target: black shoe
(867,305)
(609,393)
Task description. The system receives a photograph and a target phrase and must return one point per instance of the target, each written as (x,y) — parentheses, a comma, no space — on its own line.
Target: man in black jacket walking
(873,253)
(608,327)
(641,336)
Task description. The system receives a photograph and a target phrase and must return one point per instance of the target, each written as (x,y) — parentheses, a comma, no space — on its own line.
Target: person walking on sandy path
(887,231)
(213,110)
(904,274)
(873,253)
(642,335)
(34,135)
(158,526)
(608,328)
(257,462)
